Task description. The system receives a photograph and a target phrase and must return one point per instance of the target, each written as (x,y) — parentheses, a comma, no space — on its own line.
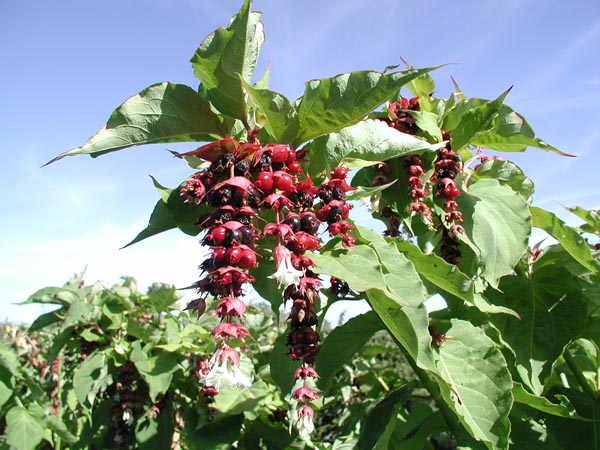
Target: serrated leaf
(477,384)
(474,121)
(224,56)
(330,104)
(342,343)
(568,237)
(552,312)
(512,133)
(369,140)
(24,429)
(275,113)
(497,227)
(163,112)
(507,173)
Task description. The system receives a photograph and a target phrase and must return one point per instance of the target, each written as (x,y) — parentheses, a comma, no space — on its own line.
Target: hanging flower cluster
(243,179)
(446,167)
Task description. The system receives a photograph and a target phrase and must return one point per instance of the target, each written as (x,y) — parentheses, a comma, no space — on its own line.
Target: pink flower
(305,394)
(305,371)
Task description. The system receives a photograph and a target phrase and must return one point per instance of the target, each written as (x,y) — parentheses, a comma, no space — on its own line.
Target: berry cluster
(242,180)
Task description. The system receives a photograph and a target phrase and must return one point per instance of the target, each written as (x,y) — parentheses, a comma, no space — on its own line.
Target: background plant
(475,268)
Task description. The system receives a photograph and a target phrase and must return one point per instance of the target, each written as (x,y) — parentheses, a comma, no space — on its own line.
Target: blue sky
(67,64)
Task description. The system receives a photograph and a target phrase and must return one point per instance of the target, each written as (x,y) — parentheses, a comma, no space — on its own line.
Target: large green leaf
(224,56)
(330,104)
(369,140)
(156,369)
(91,377)
(591,217)
(497,227)
(275,113)
(507,173)
(477,384)
(24,428)
(161,220)
(570,239)
(474,121)
(342,343)
(512,133)
(553,313)
(377,265)
(163,112)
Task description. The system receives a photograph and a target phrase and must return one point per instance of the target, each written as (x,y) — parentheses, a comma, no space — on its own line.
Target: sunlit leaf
(224,56)
(330,104)
(163,112)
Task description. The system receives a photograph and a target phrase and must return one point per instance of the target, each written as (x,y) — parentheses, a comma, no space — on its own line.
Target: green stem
(434,390)
(583,382)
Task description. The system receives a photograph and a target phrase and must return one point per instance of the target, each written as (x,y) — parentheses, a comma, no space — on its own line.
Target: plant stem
(433,389)
(583,382)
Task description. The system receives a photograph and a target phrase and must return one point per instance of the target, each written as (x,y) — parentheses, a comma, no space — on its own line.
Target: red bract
(234,330)
(305,394)
(277,201)
(282,230)
(231,306)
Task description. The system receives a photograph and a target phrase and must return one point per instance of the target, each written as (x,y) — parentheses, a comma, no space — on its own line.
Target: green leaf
(59,427)
(47,319)
(437,271)
(163,112)
(377,421)
(477,384)
(53,295)
(330,104)
(342,343)
(216,435)
(497,227)
(282,367)
(24,428)
(161,220)
(235,401)
(427,123)
(367,191)
(553,313)
(569,238)
(474,121)
(275,113)
(512,133)
(507,173)
(9,359)
(156,370)
(421,86)
(591,217)
(369,140)
(224,56)
(375,266)
(91,377)
(408,325)
(156,433)
(540,403)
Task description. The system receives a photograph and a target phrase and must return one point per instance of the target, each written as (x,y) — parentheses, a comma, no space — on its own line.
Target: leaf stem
(449,416)
(583,382)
